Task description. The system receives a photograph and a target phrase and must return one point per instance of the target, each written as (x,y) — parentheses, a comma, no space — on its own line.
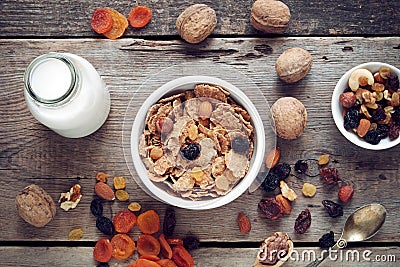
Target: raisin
(394,131)
(330,175)
(282,170)
(372,137)
(191,242)
(103,264)
(334,210)
(383,130)
(169,222)
(392,82)
(327,240)
(303,222)
(191,151)
(96,207)
(270,208)
(105,225)
(240,144)
(378,114)
(396,116)
(270,182)
(351,118)
(301,166)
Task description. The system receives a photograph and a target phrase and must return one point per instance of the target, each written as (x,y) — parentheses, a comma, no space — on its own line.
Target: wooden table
(339,35)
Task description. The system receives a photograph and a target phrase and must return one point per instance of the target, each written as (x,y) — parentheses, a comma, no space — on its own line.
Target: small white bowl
(337,108)
(183,84)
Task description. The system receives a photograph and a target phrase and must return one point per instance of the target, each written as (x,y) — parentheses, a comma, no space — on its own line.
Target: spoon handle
(323,257)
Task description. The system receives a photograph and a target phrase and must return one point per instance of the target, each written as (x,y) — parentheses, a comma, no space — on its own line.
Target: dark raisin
(383,130)
(330,175)
(270,182)
(191,151)
(392,82)
(372,137)
(96,207)
(394,131)
(303,222)
(240,144)
(327,240)
(334,210)
(378,115)
(105,225)
(351,118)
(301,166)
(169,222)
(103,264)
(282,170)
(270,208)
(396,116)
(191,242)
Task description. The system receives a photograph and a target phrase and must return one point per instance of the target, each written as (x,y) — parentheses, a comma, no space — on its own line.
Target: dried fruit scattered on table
(150,257)
(124,221)
(345,193)
(285,204)
(122,195)
(148,245)
(103,264)
(287,192)
(277,246)
(243,223)
(182,257)
(166,250)
(122,246)
(334,210)
(272,158)
(270,182)
(102,177)
(293,64)
(330,175)
(134,206)
(191,241)
(101,21)
(96,207)
(323,159)
(303,222)
(270,16)
(120,24)
(166,263)
(327,240)
(139,16)
(270,208)
(282,170)
(105,225)
(175,241)
(119,183)
(149,222)
(104,191)
(102,250)
(169,222)
(75,234)
(309,190)
(144,263)
(301,166)
(191,151)
(70,199)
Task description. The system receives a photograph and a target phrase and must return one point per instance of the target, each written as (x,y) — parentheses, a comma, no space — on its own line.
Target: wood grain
(62,18)
(30,153)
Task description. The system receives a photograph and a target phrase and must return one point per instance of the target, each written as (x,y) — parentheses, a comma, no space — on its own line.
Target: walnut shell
(35,206)
(290,117)
(196,23)
(293,64)
(270,16)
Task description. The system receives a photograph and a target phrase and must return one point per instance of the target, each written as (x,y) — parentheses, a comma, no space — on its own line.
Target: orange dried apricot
(120,23)
(166,250)
(101,22)
(182,257)
(175,241)
(149,222)
(166,263)
(139,16)
(150,257)
(124,221)
(102,250)
(148,245)
(122,246)
(144,263)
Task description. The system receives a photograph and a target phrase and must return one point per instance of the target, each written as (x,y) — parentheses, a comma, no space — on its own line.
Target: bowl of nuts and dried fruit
(366,106)
(197,142)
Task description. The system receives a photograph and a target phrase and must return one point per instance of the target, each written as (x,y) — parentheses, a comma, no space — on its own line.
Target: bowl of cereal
(197,142)
(365,105)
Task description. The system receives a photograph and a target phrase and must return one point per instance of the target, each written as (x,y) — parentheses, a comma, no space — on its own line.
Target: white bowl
(337,107)
(183,84)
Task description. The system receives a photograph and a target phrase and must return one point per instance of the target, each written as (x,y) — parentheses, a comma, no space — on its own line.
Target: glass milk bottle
(65,93)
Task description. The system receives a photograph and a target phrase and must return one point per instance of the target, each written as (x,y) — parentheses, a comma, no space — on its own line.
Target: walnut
(196,23)
(270,16)
(293,64)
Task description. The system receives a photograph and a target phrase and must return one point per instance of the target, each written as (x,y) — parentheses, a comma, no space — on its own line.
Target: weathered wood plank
(30,153)
(72,18)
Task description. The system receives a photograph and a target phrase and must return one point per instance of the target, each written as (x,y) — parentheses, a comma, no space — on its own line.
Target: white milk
(64,92)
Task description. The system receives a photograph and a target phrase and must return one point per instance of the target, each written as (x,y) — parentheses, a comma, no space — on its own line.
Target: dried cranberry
(240,144)
(303,222)
(383,130)
(191,151)
(301,166)
(96,207)
(330,175)
(169,222)
(373,137)
(394,131)
(105,225)
(351,118)
(327,240)
(378,114)
(270,208)
(270,182)
(334,209)
(191,242)
(282,170)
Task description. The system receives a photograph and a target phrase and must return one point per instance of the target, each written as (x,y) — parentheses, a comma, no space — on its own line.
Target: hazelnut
(164,125)
(205,110)
(270,16)
(293,64)
(290,117)
(196,23)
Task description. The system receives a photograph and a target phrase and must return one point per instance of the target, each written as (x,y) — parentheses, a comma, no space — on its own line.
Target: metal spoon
(361,225)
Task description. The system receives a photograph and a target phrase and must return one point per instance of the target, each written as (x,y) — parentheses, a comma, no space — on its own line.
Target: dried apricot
(175,242)
(166,263)
(149,222)
(124,221)
(122,195)
(166,250)
(285,204)
(119,183)
(102,250)
(122,246)
(272,158)
(150,257)
(148,245)
(144,263)
(102,177)
(101,22)
(120,23)
(182,257)
(139,16)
